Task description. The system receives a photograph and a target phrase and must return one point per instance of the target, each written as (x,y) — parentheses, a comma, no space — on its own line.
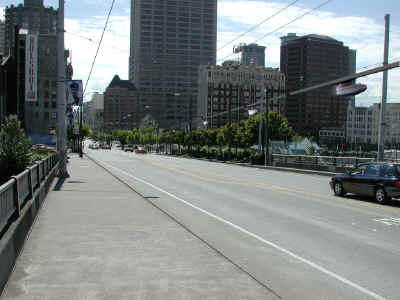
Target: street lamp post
(61,142)
(266,146)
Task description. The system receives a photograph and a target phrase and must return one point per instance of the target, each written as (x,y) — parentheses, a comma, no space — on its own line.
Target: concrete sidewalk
(95,238)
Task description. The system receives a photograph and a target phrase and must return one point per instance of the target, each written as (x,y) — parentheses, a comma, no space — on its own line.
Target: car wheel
(380,195)
(338,188)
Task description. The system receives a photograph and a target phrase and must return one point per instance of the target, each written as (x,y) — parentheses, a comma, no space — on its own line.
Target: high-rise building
(251,54)
(225,92)
(306,61)
(2,38)
(120,105)
(32,16)
(40,117)
(169,41)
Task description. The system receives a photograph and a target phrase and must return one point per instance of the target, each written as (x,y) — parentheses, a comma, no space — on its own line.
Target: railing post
(16,196)
(30,183)
(38,175)
(356,163)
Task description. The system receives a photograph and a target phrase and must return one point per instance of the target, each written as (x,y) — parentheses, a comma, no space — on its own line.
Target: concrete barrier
(14,236)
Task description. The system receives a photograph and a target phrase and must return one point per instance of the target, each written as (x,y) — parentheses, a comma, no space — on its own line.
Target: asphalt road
(285,229)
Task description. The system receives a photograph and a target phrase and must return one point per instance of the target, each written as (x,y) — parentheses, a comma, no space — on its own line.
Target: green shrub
(15,149)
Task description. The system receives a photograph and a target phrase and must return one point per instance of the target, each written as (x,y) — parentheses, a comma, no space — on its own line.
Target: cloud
(360,33)
(82,37)
(234,17)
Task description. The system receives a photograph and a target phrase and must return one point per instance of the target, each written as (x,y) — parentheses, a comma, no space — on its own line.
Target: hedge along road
(285,229)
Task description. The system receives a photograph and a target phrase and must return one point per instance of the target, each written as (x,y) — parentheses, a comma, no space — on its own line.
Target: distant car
(128,148)
(107,147)
(380,180)
(141,150)
(95,146)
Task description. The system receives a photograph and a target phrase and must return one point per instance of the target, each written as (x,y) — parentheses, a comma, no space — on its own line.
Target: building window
(53,104)
(46,104)
(46,115)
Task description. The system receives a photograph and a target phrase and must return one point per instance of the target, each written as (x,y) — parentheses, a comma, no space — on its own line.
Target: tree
(278,127)
(121,136)
(15,148)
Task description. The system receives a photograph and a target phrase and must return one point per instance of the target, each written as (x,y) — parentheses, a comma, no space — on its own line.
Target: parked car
(141,150)
(380,180)
(106,147)
(128,148)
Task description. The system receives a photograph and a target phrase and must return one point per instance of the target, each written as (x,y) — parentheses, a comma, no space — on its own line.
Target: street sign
(75,92)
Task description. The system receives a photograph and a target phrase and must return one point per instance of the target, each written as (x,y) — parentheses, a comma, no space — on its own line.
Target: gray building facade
(33,16)
(41,116)
(169,41)
(251,54)
(94,112)
(233,88)
(2,38)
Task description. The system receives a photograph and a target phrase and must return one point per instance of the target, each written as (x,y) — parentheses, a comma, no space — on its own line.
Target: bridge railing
(321,163)
(20,188)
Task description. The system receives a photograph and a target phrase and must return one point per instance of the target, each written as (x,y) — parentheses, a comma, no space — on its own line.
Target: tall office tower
(2,38)
(251,54)
(32,16)
(306,61)
(170,39)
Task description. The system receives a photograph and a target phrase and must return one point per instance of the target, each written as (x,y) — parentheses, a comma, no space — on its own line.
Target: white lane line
(271,244)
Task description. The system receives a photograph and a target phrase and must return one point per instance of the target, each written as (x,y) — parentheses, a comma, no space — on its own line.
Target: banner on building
(31,66)
(75,92)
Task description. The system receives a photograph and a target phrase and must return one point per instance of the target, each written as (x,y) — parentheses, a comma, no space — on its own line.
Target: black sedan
(380,180)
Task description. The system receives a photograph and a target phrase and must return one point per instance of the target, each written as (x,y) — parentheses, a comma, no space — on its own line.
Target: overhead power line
(283,26)
(294,20)
(98,48)
(258,25)
(93,41)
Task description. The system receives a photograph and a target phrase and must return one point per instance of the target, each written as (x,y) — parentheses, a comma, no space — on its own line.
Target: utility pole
(266,157)
(230,125)
(80,129)
(61,77)
(382,119)
(261,113)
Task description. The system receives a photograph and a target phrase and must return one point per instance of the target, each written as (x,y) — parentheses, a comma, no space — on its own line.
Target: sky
(359,24)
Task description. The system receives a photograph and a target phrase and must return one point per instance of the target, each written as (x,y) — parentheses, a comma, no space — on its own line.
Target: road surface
(285,229)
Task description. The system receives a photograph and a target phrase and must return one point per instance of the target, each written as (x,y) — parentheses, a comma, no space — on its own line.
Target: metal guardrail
(328,163)
(20,188)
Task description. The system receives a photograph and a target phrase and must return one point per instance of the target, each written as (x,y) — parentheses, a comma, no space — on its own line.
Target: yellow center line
(218,178)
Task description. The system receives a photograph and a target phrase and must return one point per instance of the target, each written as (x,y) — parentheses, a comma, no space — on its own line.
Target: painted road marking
(217,178)
(389,221)
(269,243)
